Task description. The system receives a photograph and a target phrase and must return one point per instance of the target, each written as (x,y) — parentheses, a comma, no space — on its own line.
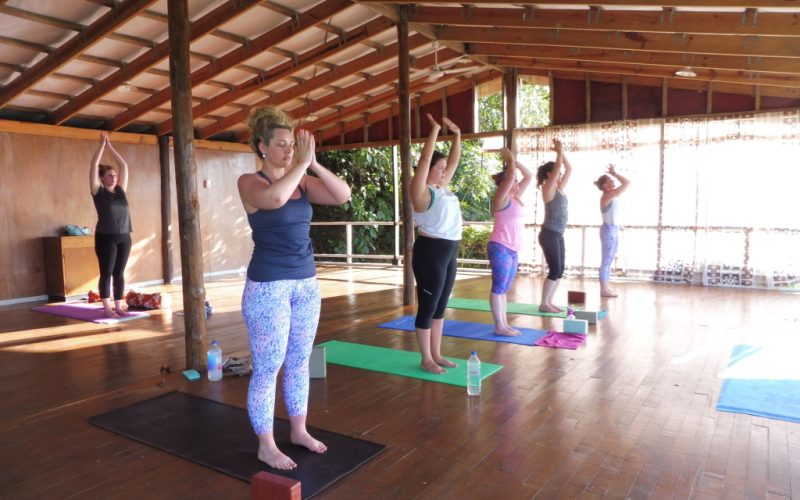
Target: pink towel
(561,340)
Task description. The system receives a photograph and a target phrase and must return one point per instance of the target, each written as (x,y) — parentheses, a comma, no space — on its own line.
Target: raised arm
(420,196)
(562,184)
(94,171)
(326,188)
(623,184)
(551,183)
(500,198)
(258,194)
(527,177)
(455,152)
(122,166)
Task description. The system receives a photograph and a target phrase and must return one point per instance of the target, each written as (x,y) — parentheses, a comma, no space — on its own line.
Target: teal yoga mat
(398,362)
(511,307)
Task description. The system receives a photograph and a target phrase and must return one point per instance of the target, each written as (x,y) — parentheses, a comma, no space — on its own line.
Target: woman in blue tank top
(281,300)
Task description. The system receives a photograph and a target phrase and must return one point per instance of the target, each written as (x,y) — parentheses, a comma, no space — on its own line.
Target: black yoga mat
(220,436)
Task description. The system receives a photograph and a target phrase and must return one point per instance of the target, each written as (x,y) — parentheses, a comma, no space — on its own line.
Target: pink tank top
(508,225)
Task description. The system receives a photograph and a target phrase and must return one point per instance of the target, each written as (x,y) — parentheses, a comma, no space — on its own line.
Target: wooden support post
(510,94)
(404,113)
(267,486)
(166,209)
(194,293)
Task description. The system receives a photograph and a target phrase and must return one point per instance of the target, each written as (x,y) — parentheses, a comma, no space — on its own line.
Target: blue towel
(762,381)
(476,331)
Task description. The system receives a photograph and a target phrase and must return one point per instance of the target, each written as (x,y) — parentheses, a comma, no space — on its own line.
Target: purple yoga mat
(87,312)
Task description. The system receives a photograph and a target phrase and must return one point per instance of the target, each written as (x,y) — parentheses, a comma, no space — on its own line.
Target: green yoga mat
(511,307)
(397,362)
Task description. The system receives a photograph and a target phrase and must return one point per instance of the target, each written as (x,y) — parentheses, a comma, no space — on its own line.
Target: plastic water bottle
(214,362)
(474,375)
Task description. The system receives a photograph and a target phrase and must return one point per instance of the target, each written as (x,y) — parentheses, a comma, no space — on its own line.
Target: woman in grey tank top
(552,181)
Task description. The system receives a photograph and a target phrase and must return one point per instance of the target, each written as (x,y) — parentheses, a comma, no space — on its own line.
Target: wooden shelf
(70,265)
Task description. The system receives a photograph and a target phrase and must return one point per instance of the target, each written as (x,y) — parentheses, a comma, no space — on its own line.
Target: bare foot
(303,438)
(444,362)
(110,313)
(121,312)
(607,293)
(506,331)
(273,457)
(431,366)
(549,309)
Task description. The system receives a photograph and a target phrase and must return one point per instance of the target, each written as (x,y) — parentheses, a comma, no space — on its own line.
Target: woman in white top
(437,214)
(609,231)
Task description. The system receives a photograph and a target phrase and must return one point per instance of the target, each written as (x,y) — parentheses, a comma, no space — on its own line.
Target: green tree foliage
(490,112)
(534,103)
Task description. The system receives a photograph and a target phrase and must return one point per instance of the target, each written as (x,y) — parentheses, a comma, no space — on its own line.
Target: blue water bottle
(214,362)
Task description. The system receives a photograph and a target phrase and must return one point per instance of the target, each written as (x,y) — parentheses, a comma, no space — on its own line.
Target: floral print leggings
(281,318)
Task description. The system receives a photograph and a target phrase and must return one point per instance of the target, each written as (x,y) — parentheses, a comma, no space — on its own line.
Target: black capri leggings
(434,265)
(112,254)
(552,244)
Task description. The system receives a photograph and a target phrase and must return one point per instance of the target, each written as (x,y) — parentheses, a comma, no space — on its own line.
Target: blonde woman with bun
(281,300)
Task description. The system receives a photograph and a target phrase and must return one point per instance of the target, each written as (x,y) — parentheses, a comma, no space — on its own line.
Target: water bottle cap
(474,353)
(213,342)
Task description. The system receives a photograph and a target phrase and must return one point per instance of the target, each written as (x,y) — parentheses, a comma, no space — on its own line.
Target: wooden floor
(628,415)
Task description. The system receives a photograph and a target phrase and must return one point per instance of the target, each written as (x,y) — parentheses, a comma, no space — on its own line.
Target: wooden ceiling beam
(740,77)
(297,63)
(285,30)
(622,40)
(79,43)
(369,83)
(664,21)
(41,18)
(426,98)
(202,26)
(723,62)
(710,4)
(326,78)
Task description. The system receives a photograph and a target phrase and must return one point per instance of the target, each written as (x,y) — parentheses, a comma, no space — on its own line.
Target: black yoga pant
(434,265)
(112,254)
(552,244)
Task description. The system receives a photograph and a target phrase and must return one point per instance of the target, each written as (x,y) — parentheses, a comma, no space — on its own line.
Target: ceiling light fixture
(686,72)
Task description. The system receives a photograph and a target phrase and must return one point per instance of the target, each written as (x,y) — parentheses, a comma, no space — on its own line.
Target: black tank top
(113,212)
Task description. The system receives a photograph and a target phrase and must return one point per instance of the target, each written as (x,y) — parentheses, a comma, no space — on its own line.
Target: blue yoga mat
(762,381)
(465,329)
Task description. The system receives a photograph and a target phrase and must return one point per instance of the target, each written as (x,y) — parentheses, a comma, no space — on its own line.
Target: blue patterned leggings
(281,318)
(504,262)
(609,237)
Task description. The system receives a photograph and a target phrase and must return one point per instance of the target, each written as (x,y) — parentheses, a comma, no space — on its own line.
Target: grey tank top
(555,213)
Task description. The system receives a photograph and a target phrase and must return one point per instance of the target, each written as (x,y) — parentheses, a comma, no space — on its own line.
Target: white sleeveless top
(609,213)
(443,217)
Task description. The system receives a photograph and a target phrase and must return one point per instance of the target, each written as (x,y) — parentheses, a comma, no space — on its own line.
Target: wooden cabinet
(70,265)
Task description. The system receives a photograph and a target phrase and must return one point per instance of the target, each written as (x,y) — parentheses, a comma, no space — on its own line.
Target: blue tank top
(282,238)
(555,213)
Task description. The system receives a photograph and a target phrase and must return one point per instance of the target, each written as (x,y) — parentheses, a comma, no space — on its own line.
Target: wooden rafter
(74,46)
(350,68)
(710,4)
(629,40)
(721,62)
(297,63)
(426,98)
(200,27)
(306,20)
(663,21)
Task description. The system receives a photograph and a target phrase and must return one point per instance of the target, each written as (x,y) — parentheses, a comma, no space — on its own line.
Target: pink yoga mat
(87,312)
